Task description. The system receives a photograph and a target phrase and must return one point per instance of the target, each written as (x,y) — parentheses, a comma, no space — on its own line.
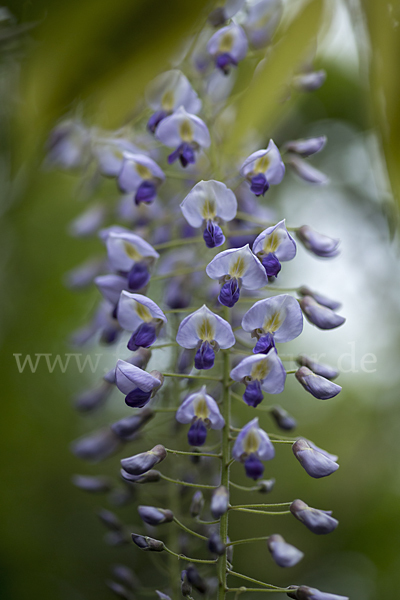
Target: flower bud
(119,590)
(97,446)
(216,545)
(140,463)
(306,147)
(317,368)
(320,316)
(314,461)
(110,520)
(195,579)
(92,484)
(126,576)
(155,516)
(309,82)
(126,428)
(219,502)
(147,543)
(139,359)
(284,554)
(306,593)
(317,521)
(91,399)
(328,302)
(197,504)
(151,476)
(116,538)
(282,418)
(317,243)
(292,594)
(318,386)
(266,486)
(186,588)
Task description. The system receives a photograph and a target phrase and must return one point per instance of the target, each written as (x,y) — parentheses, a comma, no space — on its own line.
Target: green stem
(182,526)
(244,488)
(178,242)
(226,413)
(249,540)
(193,560)
(246,589)
(182,376)
(263,505)
(186,453)
(187,484)
(265,585)
(261,512)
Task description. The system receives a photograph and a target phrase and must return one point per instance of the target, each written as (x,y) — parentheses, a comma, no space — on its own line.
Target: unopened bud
(317,386)
(283,419)
(126,576)
(318,368)
(91,399)
(97,446)
(195,579)
(92,484)
(318,521)
(266,486)
(147,543)
(284,554)
(155,516)
(119,590)
(219,502)
(126,428)
(116,538)
(186,588)
(197,504)
(110,520)
(139,359)
(316,462)
(216,545)
(148,477)
(140,463)
(306,593)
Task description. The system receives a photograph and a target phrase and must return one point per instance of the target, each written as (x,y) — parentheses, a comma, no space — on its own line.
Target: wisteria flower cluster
(189,284)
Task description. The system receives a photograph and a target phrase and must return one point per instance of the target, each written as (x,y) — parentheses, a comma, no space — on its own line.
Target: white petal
(128,309)
(124,249)
(111,286)
(173,88)
(205,194)
(128,377)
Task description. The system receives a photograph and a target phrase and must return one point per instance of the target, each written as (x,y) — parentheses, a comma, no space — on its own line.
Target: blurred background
(58,57)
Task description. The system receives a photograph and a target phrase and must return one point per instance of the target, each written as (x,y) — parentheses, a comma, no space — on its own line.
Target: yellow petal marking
(260,370)
(143,312)
(167,101)
(186,131)
(251,441)
(272,323)
(132,252)
(200,407)
(226,42)
(206,331)
(261,164)
(209,209)
(143,171)
(271,242)
(238,268)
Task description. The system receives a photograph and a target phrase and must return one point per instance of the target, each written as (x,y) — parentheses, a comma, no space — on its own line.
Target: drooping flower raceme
(141,176)
(202,412)
(260,372)
(210,202)
(251,446)
(185,132)
(276,319)
(263,168)
(273,246)
(142,316)
(228,46)
(236,268)
(166,93)
(207,332)
(137,385)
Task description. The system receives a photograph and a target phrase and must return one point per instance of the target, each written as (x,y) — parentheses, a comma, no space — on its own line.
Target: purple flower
(219,502)
(215,544)
(316,462)
(142,316)
(318,386)
(321,316)
(166,93)
(282,418)
(263,168)
(318,521)
(137,385)
(306,593)
(186,133)
(251,446)
(155,516)
(92,484)
(222,13)
(140,359)
(141,176)
(143,462)
(111,286)
(332,304)
(317,368)
(236,268)
(261,21)
(127,428)
(87,223)
(131,255)
(203,413)
(317,243)
(309,82)
(306,147)
(210,202)
(207,332)
(273,246)
(306,171)
(276,319)
(260,372)
(68,145)
(284,554)
(228,46)
(147,543)
(109,153)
